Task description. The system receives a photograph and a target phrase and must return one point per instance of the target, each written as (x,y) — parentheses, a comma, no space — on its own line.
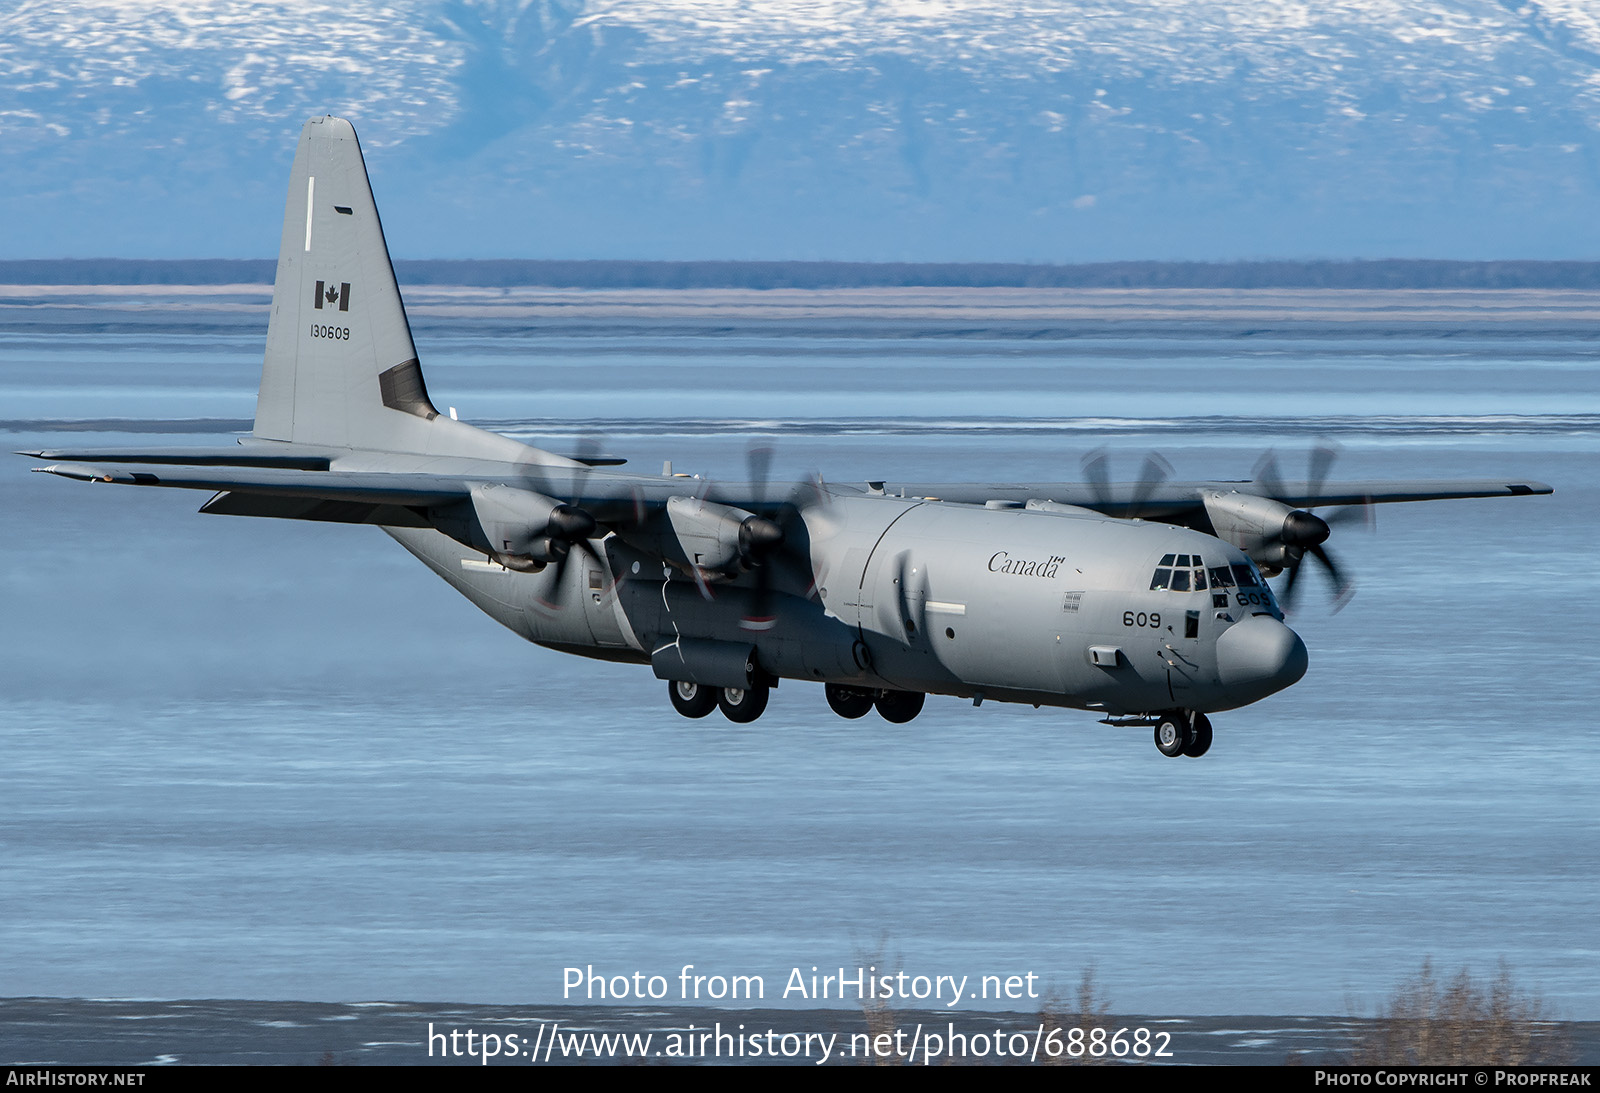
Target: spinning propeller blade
(1309,532)
(771,551)
(572,525)
(1097,471)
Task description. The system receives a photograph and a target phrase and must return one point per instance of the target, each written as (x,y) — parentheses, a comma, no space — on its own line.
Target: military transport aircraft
(1143,601)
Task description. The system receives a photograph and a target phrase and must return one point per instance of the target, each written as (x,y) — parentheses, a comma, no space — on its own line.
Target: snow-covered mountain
(861,129)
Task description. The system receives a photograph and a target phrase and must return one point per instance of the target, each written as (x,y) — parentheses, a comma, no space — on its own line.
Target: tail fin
(340,367)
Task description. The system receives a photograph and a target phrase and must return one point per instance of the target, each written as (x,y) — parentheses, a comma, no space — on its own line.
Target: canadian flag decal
(326,292)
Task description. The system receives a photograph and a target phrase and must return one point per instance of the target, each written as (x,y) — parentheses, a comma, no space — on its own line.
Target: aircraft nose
(1258,657)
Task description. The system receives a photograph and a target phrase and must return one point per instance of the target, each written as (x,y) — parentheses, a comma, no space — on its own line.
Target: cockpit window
(1175,575)
(1228,584)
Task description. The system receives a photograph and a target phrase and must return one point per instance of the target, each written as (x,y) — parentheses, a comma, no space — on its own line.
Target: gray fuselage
(1061,608)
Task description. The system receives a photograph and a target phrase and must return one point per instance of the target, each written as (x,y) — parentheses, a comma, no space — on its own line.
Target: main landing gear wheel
(1172,733)
(898,707)
(743,705)
(692,699)
(849,702)
(1199,740)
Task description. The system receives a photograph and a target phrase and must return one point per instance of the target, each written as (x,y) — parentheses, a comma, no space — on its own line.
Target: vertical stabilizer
(340,367)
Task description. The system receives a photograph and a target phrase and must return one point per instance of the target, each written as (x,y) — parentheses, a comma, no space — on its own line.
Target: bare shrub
(881,1020)
(1429,1021)
(1088,1010)
(880,1017)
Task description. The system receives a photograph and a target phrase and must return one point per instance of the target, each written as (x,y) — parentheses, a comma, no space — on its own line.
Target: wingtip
(65,471)
(82,472)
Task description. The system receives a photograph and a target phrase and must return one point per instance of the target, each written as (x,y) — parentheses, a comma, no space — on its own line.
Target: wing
(1170,500)
(403,490)
(409,481)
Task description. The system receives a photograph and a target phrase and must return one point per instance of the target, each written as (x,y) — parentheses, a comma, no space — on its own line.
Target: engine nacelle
(518,528)
(1273,534)
(718,540)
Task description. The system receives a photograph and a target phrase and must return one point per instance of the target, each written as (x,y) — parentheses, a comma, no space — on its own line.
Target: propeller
(764,541)
(758,536)
(1304,532)
(908,586)
(571,525)
(1152,473)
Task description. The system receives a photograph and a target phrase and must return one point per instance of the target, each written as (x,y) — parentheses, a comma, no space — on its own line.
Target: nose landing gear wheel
(1199,740)
(849,702)
(743,705)
(691,699)
(898,707)
(1172,734)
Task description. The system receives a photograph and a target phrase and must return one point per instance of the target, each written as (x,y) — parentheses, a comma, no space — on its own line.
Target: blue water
(270,760)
